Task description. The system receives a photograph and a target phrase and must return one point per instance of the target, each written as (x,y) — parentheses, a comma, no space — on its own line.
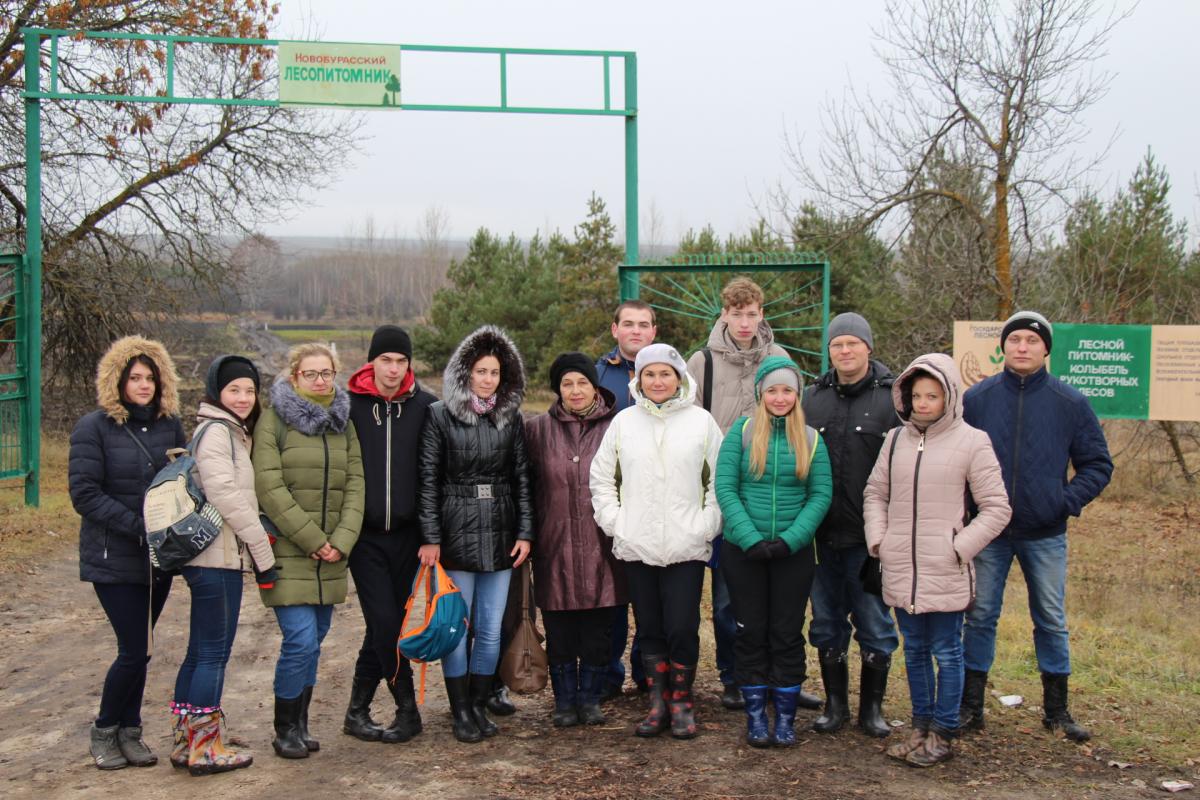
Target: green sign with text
(1109,364)
(332,74)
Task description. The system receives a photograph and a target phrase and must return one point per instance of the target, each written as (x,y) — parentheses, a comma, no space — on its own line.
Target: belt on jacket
(480,491)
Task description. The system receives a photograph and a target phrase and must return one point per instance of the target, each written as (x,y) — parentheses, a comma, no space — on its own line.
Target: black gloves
(265,579)
(777,548)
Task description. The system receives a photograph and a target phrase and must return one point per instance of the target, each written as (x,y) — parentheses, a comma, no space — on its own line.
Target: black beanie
(390,339)
(226,369)
(1028,321)
(572,362)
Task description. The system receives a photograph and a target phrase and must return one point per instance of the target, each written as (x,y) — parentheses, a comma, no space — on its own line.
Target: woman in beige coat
(932,473)
(221,446)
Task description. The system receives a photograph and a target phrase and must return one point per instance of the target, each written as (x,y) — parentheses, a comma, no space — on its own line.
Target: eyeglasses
(311,375)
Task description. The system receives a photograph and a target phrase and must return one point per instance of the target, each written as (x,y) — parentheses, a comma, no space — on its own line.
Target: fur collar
(112,364)
(305,415)
(456,380)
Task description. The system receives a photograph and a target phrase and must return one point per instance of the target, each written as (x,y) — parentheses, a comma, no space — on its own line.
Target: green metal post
(630,281)
(32,423)
(824,317)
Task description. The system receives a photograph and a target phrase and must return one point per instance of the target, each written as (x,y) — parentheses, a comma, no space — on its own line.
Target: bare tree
(993,87)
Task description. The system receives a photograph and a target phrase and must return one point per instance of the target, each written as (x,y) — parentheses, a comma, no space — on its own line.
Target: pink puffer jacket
(916,509)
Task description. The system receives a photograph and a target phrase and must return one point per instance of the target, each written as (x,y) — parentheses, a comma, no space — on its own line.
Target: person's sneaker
(934,750)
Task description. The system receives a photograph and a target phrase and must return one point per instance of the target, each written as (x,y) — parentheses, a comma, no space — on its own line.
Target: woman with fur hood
(308,476)
(115,453)
(474,505)
(653,492)
(917,507)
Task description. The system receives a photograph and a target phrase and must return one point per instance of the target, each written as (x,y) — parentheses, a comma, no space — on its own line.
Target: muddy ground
(55,647)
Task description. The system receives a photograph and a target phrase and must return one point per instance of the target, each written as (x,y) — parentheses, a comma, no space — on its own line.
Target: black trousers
(768,598)
(384,566)
(666,607)
(578,635)
(132,610)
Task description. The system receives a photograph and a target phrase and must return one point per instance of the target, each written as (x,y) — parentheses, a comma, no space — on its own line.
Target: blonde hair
(741,291)
(797,437)
(303,351)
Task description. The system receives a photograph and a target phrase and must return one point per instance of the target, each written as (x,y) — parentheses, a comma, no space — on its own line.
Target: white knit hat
(660,353)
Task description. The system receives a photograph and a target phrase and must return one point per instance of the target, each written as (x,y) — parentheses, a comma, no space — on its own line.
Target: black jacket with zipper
(389,433)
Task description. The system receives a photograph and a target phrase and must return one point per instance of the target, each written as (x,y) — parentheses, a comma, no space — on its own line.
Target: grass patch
(356,337)
(29,536)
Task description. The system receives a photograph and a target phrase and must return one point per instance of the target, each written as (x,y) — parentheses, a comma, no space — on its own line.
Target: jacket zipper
(774,482)
(387,480)
(1016,452)
(912,606)
(324,509)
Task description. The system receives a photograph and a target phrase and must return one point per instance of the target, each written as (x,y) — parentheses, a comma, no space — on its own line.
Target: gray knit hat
(1028,321)
(660,353)
(850,324)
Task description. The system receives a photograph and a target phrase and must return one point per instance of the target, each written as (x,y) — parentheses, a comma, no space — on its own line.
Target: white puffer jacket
(652,481)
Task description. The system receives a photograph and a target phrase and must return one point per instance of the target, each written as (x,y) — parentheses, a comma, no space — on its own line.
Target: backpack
(435,620)
(180,522)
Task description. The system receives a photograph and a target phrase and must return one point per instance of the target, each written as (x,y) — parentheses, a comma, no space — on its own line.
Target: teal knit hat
(771,364)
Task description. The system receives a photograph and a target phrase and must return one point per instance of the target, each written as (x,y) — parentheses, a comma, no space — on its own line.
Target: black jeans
(578,635)
(384,566)
(768,598)
(132,609)
(666,606)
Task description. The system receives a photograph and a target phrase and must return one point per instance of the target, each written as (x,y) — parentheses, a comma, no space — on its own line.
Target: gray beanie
(850,324)
(1031,321)
(660,353)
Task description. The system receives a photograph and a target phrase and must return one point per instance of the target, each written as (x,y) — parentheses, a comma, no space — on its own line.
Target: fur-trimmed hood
(456,380)
(305,415)
(112,364)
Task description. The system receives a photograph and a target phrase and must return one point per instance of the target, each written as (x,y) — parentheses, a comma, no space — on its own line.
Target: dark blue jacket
(107,474)
(615,372)
(1038,425)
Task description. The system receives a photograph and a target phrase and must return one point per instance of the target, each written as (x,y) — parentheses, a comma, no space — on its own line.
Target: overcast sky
(720,85)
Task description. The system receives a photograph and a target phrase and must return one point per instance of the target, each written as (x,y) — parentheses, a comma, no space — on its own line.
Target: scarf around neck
(481,406)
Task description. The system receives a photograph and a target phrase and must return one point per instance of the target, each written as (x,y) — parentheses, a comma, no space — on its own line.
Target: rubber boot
(682,703)
(288,742)
(312,744)
(134,748)
(179,736)
(758,732)
(104,748)
(466,730)
(808,700)
(934,750)
(207,754)
(407,722)
(591,686)
(564,680)
(871,688)
(499,702)
(786,699)
(1054,708)
(916,738)
(358,722)
(658,677)
(481,692)
(836,677)
(970,711)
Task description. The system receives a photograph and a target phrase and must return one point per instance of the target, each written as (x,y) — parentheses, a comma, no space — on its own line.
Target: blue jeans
(304,628)
(1044,564)
(618,638)
(724,624)
(839,600)
(935,635)
(486,594)
(216,603)
(129,606)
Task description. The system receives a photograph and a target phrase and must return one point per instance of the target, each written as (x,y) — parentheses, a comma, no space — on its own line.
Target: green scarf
(323,400)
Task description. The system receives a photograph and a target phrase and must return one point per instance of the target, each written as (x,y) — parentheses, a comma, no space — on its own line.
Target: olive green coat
(309,479)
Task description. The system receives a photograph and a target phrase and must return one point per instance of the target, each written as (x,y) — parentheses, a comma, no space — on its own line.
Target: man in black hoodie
(388,408)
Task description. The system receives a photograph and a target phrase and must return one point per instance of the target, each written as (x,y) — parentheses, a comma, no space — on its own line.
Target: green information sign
(332,74)
(1109,364)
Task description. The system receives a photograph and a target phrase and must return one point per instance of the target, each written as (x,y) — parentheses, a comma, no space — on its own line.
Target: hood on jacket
(488,340)
(305,415)
(944,370)
(112,364)
(685,398)
(719,341)
(363,382)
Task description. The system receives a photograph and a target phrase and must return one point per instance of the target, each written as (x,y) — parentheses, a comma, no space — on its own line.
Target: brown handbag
(524,667)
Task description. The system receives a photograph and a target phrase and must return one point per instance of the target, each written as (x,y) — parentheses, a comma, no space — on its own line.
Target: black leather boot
(836,677)
(871,688)
(499,702)
(358,722)
(970,711)
(465,728)
(1054,708)
(657,676)
(407,722)
(312,744)
(287,742)
(481,692)
(682,703)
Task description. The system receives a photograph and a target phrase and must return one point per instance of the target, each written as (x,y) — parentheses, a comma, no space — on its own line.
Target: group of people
(645,473)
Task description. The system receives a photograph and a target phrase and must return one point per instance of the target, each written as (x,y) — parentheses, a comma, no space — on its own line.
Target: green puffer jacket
(309,479)
(778,505)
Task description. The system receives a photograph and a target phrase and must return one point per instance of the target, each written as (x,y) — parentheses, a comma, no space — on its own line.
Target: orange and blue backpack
(435,620)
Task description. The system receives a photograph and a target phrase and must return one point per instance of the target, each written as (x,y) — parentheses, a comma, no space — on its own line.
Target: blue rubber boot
(564,679)
(758,732)
(785,698)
